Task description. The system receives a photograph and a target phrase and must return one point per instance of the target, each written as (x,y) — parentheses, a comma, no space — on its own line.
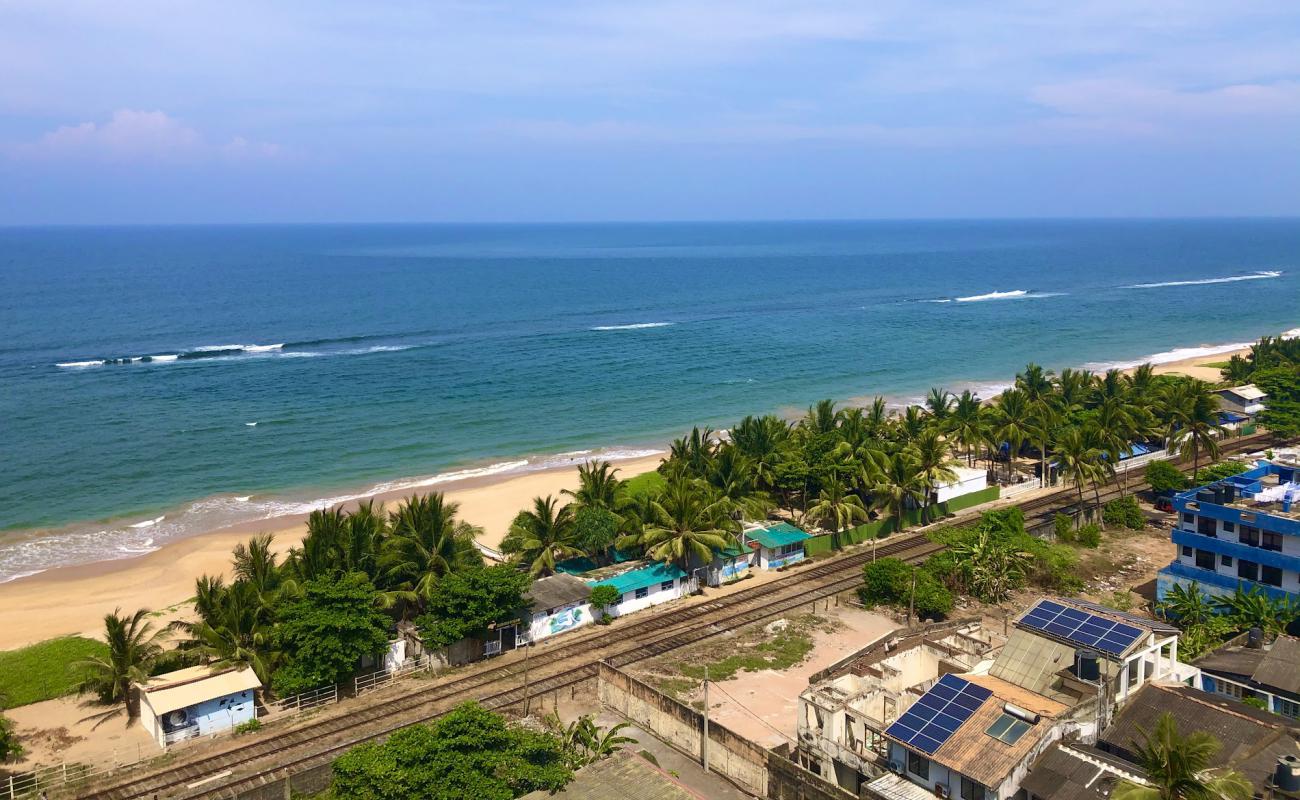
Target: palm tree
(1116,429)
(897,482)
(968,424)
(1012,423)
(821,418)
(598,487)
(1073,386)
(1177,767)
(427,541)
(761,439)
(990,566)
(1035,382)
(733,475)
(837,508)
(911,424)
(933,467)
(939,403)
(1045,418)
(133,647)
(544,536)
(256,564)
(689,521)
(692,453)
(1080,460)
(236,633)
(1194,411)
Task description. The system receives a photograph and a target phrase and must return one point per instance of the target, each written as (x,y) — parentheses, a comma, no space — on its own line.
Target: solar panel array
(1080,627)
(933,719)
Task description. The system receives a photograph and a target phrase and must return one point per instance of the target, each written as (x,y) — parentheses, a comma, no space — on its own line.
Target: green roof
(778,535)
(732,551)
(575,566)
(644,577)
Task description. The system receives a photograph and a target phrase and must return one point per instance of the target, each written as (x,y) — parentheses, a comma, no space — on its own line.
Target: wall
(565,618)
(772,558)
(825,543)
(734,757)
(629,602)
(789,781)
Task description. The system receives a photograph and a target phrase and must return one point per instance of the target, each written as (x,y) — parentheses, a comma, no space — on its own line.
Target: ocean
(162,381)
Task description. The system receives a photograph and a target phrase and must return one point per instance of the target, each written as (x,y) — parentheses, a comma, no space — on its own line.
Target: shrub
(1165,477)
(604,596)
(1219,471)
(9,747)
(1089,536)
(1124,511)
(1255,702)
(251,726)
(1063,524)
(889,582)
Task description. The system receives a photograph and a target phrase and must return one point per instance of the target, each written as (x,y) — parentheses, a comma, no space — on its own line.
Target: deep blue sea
(209,375)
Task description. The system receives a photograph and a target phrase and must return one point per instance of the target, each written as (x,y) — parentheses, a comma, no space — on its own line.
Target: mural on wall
(734,569)
(781,561)
(564,620)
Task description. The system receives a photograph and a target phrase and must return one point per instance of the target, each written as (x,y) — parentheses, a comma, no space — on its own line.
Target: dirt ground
(57,731)
(762,705)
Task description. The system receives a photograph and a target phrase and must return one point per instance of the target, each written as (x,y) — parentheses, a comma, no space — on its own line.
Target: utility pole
(704,745)
(527,649)
(911,602)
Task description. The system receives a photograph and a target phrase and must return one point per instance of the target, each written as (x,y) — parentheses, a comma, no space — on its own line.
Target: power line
(742,706)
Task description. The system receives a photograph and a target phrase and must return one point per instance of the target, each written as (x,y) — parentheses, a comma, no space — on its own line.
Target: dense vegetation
(1273,365)
(1207,622)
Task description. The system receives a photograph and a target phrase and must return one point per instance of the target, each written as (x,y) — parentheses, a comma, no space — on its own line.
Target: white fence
(375,680)
(1129,463)
(44,779)
(302,702)
(1018,489)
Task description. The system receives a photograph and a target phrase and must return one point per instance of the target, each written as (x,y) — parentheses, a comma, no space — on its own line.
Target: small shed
(646,586)
(730,564)
(778,545)
(197,701)
(1247,399)
(556,604)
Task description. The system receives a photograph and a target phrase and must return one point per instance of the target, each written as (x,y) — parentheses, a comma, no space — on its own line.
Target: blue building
(1243,530)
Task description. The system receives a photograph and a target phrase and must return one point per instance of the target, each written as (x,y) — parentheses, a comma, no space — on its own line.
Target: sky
(193,112)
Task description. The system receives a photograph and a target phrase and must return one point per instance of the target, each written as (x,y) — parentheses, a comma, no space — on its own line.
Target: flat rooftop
(1272,489)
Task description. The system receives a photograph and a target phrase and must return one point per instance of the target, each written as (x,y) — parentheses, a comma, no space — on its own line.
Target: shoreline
(39,606)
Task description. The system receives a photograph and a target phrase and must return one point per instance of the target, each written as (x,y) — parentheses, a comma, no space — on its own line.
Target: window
(643,592)
(1189,519)
(1187,550)
(1007,729)
(1247,569)
(1207,526)
(970,790)
(790,548)
(667,586)
(1270,575)
(1228,689)
(1249,535)
(918,765)
(1271,541)
(1228,527)
(1225,561)
(1205,559)
(1287,708)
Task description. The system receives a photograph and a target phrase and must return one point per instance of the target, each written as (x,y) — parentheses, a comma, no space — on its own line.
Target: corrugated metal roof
(1032,661)
(778,535)
(642,578)
(557,590)
(1281,666)
(896,787)
(193,685)
(1063,774)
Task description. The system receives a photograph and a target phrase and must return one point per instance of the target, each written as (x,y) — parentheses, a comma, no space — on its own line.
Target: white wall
(565,618)
(968,480)
(630,602)
(769,558)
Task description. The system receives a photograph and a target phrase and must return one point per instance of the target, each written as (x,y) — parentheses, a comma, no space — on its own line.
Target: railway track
(239,767)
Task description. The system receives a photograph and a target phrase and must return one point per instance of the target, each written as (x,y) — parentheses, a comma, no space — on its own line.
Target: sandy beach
(73,600)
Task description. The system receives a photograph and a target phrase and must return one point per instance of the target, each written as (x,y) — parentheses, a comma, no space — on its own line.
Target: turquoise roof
(644,577)
(778,535)
(575,566)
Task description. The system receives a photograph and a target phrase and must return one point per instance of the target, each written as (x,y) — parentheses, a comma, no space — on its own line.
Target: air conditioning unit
(941,790)
(896,767)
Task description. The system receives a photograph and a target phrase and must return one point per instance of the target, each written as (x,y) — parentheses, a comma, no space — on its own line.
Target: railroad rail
(309,743)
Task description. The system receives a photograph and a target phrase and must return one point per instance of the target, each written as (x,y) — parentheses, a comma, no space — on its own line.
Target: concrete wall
(789,781)
(630,603)
(738,759)
(565,618)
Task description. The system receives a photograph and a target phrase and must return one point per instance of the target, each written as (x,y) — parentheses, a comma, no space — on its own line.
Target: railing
(1129,463)
(375,680)
(306,701)
(1018,489)
(43,779)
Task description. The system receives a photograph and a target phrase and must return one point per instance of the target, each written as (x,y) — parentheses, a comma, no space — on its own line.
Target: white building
(557,604)
(642,587)
(778,545)
(1248,399)
(969,480)
(197,702)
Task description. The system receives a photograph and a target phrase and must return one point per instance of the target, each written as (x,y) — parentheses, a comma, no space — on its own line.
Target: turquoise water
(287,365)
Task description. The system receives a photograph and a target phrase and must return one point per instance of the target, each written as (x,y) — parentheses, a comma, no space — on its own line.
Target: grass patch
(44,670)
(782,652)
(1214,364)
(646,483)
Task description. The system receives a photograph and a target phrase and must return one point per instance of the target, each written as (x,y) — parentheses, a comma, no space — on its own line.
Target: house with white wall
(645,586)
(197,701)
(556,604)
(778,544)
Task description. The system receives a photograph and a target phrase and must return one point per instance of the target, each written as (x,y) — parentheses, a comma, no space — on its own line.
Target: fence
(1018,489)
(45,779)
(376,680)
(303,702)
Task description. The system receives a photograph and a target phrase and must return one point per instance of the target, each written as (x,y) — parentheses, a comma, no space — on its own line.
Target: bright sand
(75,599)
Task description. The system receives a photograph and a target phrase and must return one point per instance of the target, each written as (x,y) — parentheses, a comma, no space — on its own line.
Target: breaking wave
(1014,294)
(634,326)
(205,351)
(1258,275)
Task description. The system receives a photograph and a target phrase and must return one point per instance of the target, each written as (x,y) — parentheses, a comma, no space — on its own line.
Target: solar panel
(1080,627)
(931,720)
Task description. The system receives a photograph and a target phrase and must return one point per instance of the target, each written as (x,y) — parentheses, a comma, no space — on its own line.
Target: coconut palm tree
(732,474)
(821,418)
(236,633)
(133,647)
(689,521)
(933,467)
(255,563)
(598,487)
(692,453)
(1080,459)
(1073,387)
(877,416)
(896,483)
(1116,429)
(543,536)
(1045,418)
(913,422)
(1177,767)
(427,541)
(1012,423)
(939,403)
(837,508)
(761,439)
(1193,414)
(1035,382)
(968,424)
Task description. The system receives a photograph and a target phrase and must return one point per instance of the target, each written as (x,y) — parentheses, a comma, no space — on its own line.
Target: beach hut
(197,701)
(729,565)
(778,545)
(557,604)
(1248,399)
(646,586)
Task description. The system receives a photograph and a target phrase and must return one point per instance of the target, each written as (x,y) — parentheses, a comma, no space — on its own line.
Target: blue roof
(778,535)
(576,565)
(644,577)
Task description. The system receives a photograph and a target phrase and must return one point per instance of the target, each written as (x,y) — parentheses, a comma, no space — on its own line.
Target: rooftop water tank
(1286,776)
(1087,664)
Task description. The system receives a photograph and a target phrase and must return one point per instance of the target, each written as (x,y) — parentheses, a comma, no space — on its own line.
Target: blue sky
(538,111)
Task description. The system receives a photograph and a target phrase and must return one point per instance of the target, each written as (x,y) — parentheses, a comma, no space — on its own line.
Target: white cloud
(131,136)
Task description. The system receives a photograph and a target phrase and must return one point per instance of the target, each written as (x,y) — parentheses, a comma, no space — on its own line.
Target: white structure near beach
(1248,399)
(778,544)
(557,604)
(197,702)
(645,586)
(968,480)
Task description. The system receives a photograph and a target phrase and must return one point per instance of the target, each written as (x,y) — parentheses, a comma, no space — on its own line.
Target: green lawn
(43,670)
(646,483)
(1215,364)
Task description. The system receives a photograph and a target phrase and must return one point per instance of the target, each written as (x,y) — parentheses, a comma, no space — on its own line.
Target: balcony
(1259,555)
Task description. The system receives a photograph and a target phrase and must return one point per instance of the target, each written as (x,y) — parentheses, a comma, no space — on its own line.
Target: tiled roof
(1077,772)
(1281,666)
(623,776)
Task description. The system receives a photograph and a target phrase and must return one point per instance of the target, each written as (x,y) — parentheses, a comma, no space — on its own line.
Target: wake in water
(633,327)
(1014,294)
(206,351)
(1258,275)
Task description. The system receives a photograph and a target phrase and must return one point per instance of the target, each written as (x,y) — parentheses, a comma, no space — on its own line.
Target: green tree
(1013,423)
(1282,412)
(133,648)
(595,530)
(10,748)
(604,596)
(1177,767)
(543,536)
(891,581)
(1165,477)
(469,753)
(234,630)
(326,631)
(837,508)
(689,522)
(465,604)
(1254,608)
(933,467)
(427,542)
(1187,605)
(991,565)
(894,483)
(968,424)
(1192,411)
(1080,461)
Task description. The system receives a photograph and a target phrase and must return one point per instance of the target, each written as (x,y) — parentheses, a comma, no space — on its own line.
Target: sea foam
(633,326)
(1254,276)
